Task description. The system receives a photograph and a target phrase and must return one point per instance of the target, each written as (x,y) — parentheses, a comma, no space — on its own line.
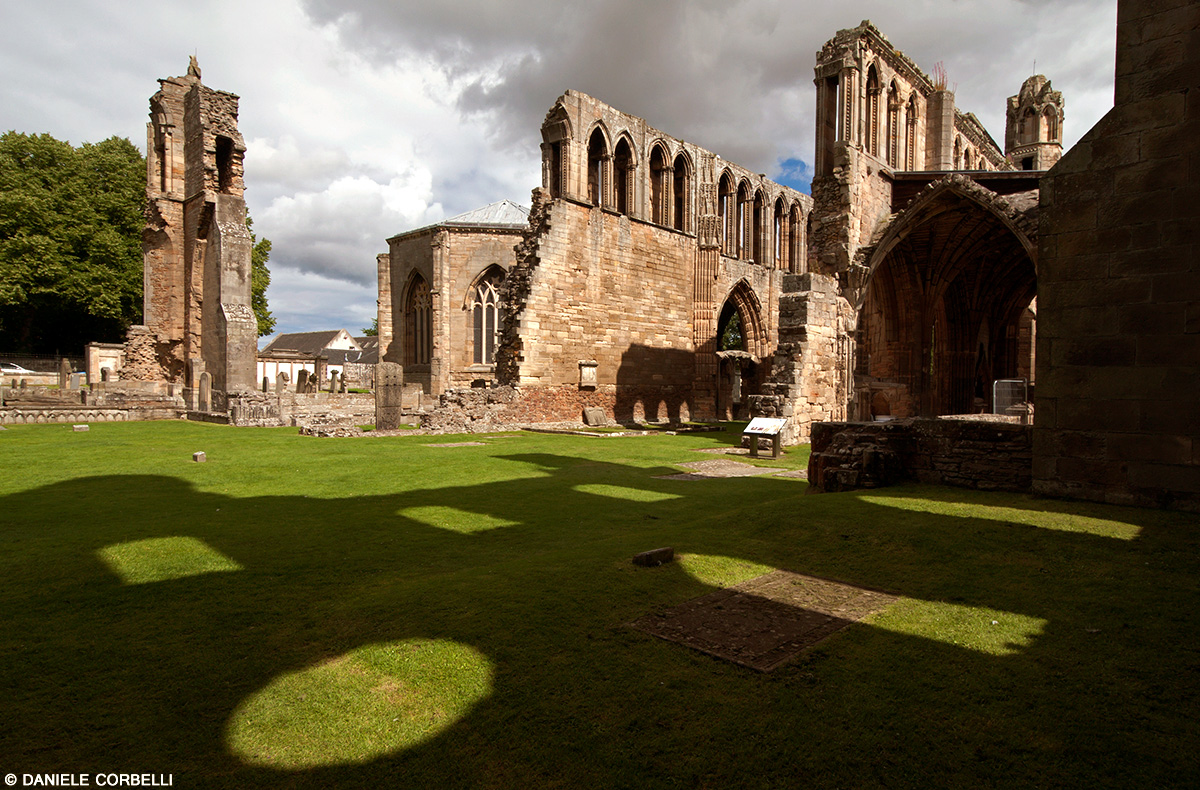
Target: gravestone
(64,372)
(302,382)
(75,381)
(266,383)
(389,393)
(205,392)
(281,382)
(342,389)
(79,428)
(594,415)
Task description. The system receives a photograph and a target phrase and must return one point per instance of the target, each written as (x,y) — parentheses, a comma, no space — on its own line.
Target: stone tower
(196,247)
(1033,131)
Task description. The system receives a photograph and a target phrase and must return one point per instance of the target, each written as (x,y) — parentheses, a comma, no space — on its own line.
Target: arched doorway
(740,348)
(950,281)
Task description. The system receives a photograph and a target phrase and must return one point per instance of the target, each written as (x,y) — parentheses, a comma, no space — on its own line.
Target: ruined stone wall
(384,316)
(298,409)
(810,376)
(411,255)
(1118,343)
(988,455)
(471,255)
(196,248)
(608,289)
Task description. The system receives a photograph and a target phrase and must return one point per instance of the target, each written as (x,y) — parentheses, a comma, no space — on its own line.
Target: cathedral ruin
(199,328)
(903,286)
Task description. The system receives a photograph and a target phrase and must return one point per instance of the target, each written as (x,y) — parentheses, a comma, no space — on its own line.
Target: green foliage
(70,241)
(373,329)
(260,278)
(731,338)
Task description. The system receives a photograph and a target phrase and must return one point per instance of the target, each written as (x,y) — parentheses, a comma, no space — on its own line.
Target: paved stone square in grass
(767,621)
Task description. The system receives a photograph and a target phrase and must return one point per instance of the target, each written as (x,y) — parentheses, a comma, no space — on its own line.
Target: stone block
(199,457)
(1152,319)
(654,557)
(79,428)
(389,395)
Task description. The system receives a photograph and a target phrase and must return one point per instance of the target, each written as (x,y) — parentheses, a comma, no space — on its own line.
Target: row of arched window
(1035,127)
(483,304)
(752,228)
(891,128)
(612,181)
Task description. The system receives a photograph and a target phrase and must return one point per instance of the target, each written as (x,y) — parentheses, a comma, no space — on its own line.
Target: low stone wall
(299,409)
(992,454)
(478,410)
(62,414)
(97,404)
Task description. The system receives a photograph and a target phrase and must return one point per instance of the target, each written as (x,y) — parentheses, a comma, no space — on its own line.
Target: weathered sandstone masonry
(196,244)
(987,455)
(641,248)
(440,304)
(932,269)
(1118,398)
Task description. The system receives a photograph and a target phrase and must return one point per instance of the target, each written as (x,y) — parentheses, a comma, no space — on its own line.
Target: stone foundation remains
(988,454)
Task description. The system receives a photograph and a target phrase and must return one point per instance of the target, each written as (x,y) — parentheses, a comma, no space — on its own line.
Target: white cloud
(365,118)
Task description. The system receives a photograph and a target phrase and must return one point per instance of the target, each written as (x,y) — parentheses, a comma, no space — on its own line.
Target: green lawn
(375,612)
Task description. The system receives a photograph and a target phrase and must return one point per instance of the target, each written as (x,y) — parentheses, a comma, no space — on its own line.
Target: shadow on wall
(655,385)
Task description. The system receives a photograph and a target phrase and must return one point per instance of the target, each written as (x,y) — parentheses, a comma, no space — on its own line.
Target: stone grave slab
(718,468)
(767,621)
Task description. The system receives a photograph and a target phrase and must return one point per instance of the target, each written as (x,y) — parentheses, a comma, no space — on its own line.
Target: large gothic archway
(940,314)
(742,345)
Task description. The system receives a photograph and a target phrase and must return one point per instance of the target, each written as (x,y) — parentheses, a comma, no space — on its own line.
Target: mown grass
(302,612)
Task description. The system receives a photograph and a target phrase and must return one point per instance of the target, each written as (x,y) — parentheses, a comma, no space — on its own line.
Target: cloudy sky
(366,118)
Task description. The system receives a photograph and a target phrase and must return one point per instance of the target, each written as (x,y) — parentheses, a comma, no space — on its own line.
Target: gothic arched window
(485,315)
(418,324)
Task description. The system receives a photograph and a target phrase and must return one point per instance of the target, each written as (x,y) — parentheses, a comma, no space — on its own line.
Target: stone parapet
(981,454)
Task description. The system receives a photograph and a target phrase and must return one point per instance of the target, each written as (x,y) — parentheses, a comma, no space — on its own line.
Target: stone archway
(741,345)
(948,283)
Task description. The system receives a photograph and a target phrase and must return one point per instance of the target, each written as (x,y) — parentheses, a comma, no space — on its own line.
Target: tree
(373,329)
(731,338)
(70,242)
(260,278)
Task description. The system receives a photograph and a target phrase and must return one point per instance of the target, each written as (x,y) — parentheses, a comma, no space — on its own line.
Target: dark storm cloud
(734,77)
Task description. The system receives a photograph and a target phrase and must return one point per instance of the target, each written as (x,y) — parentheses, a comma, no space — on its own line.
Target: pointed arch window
(910,141)
(1051,117)
(623,168)
(758,233)
(679,189)
(725,214)
(658,186)
(796,262)
(598,162)
(485,316)
(893,126)
(743,221)
(418,324)
(781,228)
(872,119)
